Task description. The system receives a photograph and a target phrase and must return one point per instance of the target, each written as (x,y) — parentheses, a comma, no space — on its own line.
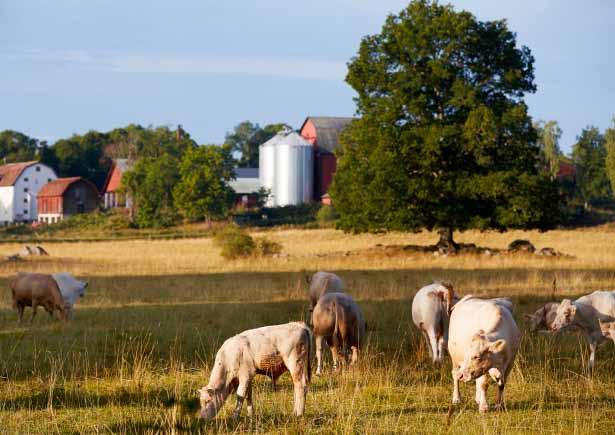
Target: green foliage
(589,155)
(609,145)
(150,184)
(18,147)
(234,243)
(549,135)
(246,138)
(266,247)
(203,191)
(444,137)
(83,156)
(327,214)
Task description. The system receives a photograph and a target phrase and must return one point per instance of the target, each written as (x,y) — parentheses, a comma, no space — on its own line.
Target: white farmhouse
(19,185)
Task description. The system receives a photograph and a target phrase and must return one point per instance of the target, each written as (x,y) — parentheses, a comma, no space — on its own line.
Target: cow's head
(564,316)
(211,403)
(608,329)
(480,357)
(538,320)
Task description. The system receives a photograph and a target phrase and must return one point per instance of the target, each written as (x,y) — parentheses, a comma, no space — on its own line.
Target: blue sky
(69,66)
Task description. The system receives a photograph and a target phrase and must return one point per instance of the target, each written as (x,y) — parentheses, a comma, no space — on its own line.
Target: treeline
(592,182)
(172,178)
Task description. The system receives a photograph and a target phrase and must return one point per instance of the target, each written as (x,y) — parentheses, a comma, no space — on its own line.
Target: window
(25,212)
(26,179)
(25,189)
(25,200)
(48,180)
(38,169)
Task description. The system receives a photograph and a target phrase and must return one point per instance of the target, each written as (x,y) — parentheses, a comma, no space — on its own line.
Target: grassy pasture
(145,336)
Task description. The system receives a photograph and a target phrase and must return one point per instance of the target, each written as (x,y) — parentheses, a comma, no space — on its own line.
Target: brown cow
(338,321)
(34,289)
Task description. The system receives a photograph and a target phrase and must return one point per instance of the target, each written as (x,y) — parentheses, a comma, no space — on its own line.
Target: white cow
(270,351)
(483,342)
(542,318)
(587,313)
(431,308)
(324,282)
(71,289)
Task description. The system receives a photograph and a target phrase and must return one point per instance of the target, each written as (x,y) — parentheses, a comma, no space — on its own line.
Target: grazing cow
(542,319)
(34,289)
(324,282)
(431,308)
(271,351)
(483,343)
(338,321)
(71,289)
(587,313)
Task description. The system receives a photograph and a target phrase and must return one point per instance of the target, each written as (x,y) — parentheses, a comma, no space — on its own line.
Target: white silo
(266,163)
(294,170)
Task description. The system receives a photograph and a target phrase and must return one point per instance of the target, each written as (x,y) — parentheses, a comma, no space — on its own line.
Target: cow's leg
(242,391)
(319,344)
(355,354)
(481,393)
(499,401)
(249,400)
(428,343)
(335,355)
(20,310)
(34,308)
(433,343)
(298,371)
(456,395)
(592,354)
(441,348)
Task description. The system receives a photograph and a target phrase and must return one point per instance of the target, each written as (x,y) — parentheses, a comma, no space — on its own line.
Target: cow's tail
(337,338)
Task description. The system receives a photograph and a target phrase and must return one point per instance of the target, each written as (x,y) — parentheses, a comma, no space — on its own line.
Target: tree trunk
(446,244)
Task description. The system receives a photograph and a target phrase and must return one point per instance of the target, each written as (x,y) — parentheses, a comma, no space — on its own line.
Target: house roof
(10,172)
(566,170)
(58,187)
(328,129)
(246,181)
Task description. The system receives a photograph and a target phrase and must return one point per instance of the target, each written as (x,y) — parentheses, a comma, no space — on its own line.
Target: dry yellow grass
(157,311)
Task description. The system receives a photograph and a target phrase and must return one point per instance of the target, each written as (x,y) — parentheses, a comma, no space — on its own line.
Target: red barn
(65,197)
(323,132)
(112,193)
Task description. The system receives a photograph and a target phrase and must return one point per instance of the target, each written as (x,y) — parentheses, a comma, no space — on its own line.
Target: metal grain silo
(266,160)
(294,170)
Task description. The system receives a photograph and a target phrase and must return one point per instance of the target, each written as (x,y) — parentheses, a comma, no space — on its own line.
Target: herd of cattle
(480,335)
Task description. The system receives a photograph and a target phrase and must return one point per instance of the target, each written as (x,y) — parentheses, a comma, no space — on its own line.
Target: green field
(143,339)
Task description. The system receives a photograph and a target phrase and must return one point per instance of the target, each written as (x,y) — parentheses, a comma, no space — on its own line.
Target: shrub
(327,214)
(234,243)
(266,247)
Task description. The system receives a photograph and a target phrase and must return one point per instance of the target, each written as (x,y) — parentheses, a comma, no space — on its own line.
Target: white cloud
(139,63)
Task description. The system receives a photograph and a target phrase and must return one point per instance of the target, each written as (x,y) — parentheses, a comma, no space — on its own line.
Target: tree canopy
(245,139)
(203,191)
(18,147)
(444,139)
(549,134)
(589,155)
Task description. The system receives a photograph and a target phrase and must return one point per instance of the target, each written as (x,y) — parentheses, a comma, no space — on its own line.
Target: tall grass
(144,337)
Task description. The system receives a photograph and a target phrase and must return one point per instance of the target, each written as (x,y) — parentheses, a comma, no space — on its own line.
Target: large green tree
(589,156)
(150,184)
(444,139)
(83,156)
(549,134)
(18,147)
(203,191)
(245,139)
(609,144)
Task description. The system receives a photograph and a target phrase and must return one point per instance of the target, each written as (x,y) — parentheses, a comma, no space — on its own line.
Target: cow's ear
(571,310)
(497,346)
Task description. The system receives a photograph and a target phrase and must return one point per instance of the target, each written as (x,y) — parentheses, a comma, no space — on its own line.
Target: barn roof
(328,129)
(113,183)
(246,181)
(10,172)
(58,187)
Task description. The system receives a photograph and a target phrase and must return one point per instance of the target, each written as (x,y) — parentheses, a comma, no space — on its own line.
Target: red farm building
(113,196)
(323,132)
(65,197)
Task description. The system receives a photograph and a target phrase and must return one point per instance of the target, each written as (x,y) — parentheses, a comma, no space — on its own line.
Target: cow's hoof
(456,401)
(483,408)
(499,407)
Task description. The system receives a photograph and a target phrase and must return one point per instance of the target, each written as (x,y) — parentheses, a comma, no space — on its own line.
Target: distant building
(566,171)
(113,197)
(65,197)
(246,186)
(19,185)
(323,133)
